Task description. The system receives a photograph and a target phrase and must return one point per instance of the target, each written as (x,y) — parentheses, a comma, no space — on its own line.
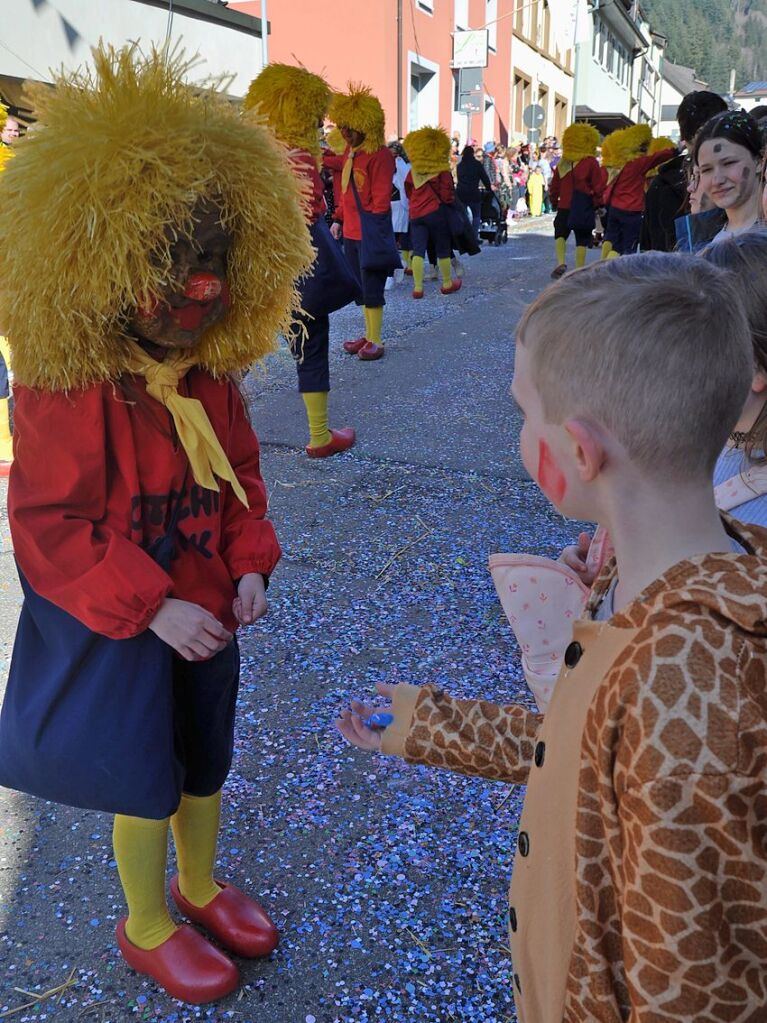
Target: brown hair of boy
(745,255)
(654,347)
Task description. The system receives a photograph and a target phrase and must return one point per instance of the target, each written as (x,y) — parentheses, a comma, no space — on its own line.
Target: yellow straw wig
(359,110)
(428,150)
(100,216)
(336,141)
(624,145)
(579,141)
(3,115)
(659,144)
(294,102)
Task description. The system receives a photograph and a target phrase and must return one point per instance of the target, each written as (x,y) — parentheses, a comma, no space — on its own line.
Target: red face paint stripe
(551,479)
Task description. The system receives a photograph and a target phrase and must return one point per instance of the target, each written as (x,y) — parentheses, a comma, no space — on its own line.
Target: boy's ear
(759,383)
(587,448)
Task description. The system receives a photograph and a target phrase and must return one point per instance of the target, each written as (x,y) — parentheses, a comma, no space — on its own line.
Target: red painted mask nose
(203,287)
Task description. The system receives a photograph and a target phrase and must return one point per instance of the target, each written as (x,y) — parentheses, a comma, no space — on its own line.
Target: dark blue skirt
(121,726)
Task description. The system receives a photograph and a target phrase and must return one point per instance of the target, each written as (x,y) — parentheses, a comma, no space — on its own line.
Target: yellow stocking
(6,441)
(316,403)
(366,311)
(580,255)
(407,256)
(375,320)
(417,265)
(141,852)
(444,271)
(612,254)
(195,831)
(560,244)
(607,248)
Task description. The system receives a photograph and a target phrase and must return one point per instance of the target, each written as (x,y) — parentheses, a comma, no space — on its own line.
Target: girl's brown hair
(745,255)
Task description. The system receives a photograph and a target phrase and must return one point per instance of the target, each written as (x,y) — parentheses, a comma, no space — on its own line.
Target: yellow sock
(375,318)
(141,852)
(612,254)
(444,270)
(407,255)
(580,255)
(366,312)
(560,244)
(607,248)
(6,441)
(417,265)
(317,413)
(195,831)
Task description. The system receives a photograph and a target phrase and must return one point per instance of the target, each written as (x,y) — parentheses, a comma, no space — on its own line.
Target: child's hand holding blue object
(362,724)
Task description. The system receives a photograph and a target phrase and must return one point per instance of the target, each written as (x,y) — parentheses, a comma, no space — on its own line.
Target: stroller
(492,224)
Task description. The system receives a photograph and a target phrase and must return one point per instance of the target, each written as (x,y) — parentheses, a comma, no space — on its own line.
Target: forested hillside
(713,36)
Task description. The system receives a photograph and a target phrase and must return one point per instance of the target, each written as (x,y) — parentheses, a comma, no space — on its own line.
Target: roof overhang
(603,122)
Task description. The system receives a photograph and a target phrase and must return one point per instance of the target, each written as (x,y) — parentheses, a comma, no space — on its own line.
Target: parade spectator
(400,205)
(645,779)
(10,131)
(535,188)
(489,163)
(472,174)
(728,154)
(546,171)
(667,194)
(367,172)
(505,184)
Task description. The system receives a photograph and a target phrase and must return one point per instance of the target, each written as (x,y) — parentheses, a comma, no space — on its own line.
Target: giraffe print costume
(639,892)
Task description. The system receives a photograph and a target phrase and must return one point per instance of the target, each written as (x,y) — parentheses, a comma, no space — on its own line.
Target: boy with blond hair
(640,883)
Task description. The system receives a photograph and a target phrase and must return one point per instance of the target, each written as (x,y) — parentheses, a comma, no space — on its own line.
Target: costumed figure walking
(6,440)
(629,164)
(575,192)
(365,210)
(295,102)
(429,187)
(147,268)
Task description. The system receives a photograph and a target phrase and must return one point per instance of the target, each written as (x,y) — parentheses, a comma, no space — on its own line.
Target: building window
(461,15)
(425,5)
(522,96)
(543,101)
(491,20)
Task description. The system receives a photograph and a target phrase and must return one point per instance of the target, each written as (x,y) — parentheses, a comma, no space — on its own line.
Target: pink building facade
(402,49)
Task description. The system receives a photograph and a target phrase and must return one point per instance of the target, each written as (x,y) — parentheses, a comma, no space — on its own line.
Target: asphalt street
(388,882)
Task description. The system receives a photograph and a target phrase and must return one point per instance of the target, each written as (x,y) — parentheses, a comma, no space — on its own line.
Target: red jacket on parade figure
(427,197)
(306,167)
(586,176)
(373,173)
(627,191)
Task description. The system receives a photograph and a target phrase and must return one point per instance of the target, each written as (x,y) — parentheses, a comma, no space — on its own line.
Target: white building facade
(542,74)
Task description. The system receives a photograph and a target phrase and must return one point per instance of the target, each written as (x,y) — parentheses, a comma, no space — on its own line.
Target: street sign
(470,90)
(470,48)
(533,116)
(534,135)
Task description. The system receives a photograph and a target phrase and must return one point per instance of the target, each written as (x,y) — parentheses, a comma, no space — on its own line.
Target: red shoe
(371,352)
(417,294)
(454,286)
(186,965)
(408,271)
(340,440)
(353,347)
(234,919)
(5,469)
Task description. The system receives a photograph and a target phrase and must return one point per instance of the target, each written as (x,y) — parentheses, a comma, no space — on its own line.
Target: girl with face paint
(136,501)
(727,155)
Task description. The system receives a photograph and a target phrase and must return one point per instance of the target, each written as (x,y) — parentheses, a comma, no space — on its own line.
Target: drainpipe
(264,34)
(400,133)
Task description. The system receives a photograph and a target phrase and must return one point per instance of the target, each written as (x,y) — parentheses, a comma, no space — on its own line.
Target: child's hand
(189,629)
(574,557)
(250,602)
(351,725)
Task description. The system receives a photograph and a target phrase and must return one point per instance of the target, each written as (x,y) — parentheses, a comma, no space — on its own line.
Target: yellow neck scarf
(348,167)
(197,436)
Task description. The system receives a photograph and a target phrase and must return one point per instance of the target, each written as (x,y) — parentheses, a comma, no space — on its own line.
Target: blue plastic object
(378,720)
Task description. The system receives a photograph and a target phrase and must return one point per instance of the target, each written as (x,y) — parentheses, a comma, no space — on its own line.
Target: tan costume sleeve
(472,737)
(692,871)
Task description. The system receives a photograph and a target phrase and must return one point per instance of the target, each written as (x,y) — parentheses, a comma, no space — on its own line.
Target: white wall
(45,34)
(543,73)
